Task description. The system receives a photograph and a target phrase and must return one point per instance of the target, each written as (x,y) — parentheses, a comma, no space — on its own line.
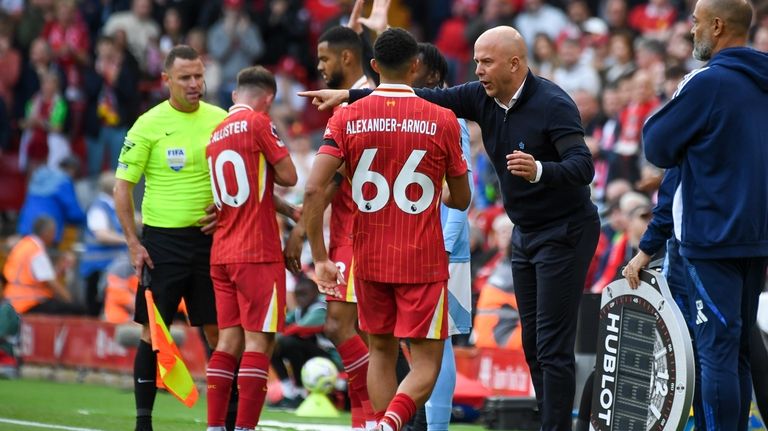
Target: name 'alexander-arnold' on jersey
(391,125)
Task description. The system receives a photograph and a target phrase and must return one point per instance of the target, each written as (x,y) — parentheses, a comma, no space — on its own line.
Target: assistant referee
(167,145)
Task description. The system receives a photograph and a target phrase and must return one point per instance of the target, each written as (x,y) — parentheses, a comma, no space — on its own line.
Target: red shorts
(251,295)
(342,257)
(404,310)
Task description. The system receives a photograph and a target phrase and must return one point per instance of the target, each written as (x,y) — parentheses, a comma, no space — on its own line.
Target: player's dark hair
(257,77)
(184,52)
(434,61)
(340,38)
(395,49)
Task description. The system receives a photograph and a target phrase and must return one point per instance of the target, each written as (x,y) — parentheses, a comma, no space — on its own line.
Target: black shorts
(181,257)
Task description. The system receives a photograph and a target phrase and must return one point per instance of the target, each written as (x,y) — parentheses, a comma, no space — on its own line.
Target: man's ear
(514,64)
(718,27)
(346,57)
(375,66)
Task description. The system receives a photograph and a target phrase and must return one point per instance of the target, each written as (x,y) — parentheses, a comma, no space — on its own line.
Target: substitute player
(246,158)
(397,149)
(167,146)
(339,53)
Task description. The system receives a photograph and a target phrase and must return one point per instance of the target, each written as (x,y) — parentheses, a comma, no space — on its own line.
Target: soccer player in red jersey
(397,149)
(246,158)
(339,53)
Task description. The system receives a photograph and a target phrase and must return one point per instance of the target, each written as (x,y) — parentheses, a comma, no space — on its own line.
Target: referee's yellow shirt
(168,147)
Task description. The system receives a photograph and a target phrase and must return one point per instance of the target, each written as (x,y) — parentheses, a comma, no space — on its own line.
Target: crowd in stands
(76,74)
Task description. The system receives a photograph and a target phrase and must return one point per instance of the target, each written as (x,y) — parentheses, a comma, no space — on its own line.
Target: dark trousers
(549,268)
(723,302)
(676,274)
(296,351)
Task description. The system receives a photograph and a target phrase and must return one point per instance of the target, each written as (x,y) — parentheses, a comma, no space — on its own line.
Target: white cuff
(538,173)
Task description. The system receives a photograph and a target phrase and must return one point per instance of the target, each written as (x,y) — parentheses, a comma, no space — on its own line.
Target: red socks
(354,356)
(221,371)
(399,412)
(252,382)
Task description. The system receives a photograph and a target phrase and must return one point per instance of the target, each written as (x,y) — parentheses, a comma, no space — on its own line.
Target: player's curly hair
(395,49)
(257,77)
(434,61)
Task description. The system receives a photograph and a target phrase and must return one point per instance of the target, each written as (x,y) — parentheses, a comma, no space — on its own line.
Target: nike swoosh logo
(144,381)
(169,133)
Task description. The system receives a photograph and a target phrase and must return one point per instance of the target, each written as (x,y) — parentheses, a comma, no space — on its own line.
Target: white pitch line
(301,426)
(42,425)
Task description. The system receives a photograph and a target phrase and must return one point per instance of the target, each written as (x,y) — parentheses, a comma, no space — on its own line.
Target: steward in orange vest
(32,286)
(497,321)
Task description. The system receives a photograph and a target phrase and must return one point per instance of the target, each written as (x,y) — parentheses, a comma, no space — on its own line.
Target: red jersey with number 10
(398,148)
(241,155)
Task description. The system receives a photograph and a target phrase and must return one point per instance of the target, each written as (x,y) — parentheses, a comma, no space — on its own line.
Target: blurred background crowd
(75,74)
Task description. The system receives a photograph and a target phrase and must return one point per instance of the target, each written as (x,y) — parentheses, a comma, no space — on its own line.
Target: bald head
(506,39)
(719,24)
(737,14)
(502,62)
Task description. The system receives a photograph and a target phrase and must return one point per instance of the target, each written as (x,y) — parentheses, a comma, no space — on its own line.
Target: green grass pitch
(70,406)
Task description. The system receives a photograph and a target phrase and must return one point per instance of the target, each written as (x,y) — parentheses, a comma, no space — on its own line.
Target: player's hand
(326,99)
(354,17)
(139,258)
(522,164)
(632,271)
(378,20)
(296,211)
(210,220)
(327,278)
(292,251)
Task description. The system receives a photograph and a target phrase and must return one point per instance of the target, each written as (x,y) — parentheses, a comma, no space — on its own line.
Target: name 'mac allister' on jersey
(397,149)
(241,155)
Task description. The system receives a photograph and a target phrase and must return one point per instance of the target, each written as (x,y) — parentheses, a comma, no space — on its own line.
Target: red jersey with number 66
(398,148)
(241,155)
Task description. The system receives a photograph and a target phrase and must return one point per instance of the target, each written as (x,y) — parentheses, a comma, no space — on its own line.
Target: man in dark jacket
(533,135)
(713,129)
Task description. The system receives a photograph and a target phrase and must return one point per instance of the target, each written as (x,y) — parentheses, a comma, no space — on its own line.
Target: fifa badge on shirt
(176,158)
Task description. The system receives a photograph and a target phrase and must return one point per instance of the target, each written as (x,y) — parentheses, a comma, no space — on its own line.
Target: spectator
(43,140)
(173,30)
(197,39)
(621,61)
(285,29)
(540,17)
(603,140)
(642,103)
(33,286)
(616,16)
(301,340)
(573,74)
(653,19)
(451,42)
(9,73)
(138,26)
(235,43)
(119,285)
(68,38)
(115,103)
(51,193)
(636,212)
(40,63)
(104,241)
(494,13)
(544,59)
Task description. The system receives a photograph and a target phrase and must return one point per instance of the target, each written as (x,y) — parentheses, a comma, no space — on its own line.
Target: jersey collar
(361,82)
(239,107)
(394,90)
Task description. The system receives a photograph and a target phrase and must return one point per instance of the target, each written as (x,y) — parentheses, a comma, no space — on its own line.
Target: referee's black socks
(144,385)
